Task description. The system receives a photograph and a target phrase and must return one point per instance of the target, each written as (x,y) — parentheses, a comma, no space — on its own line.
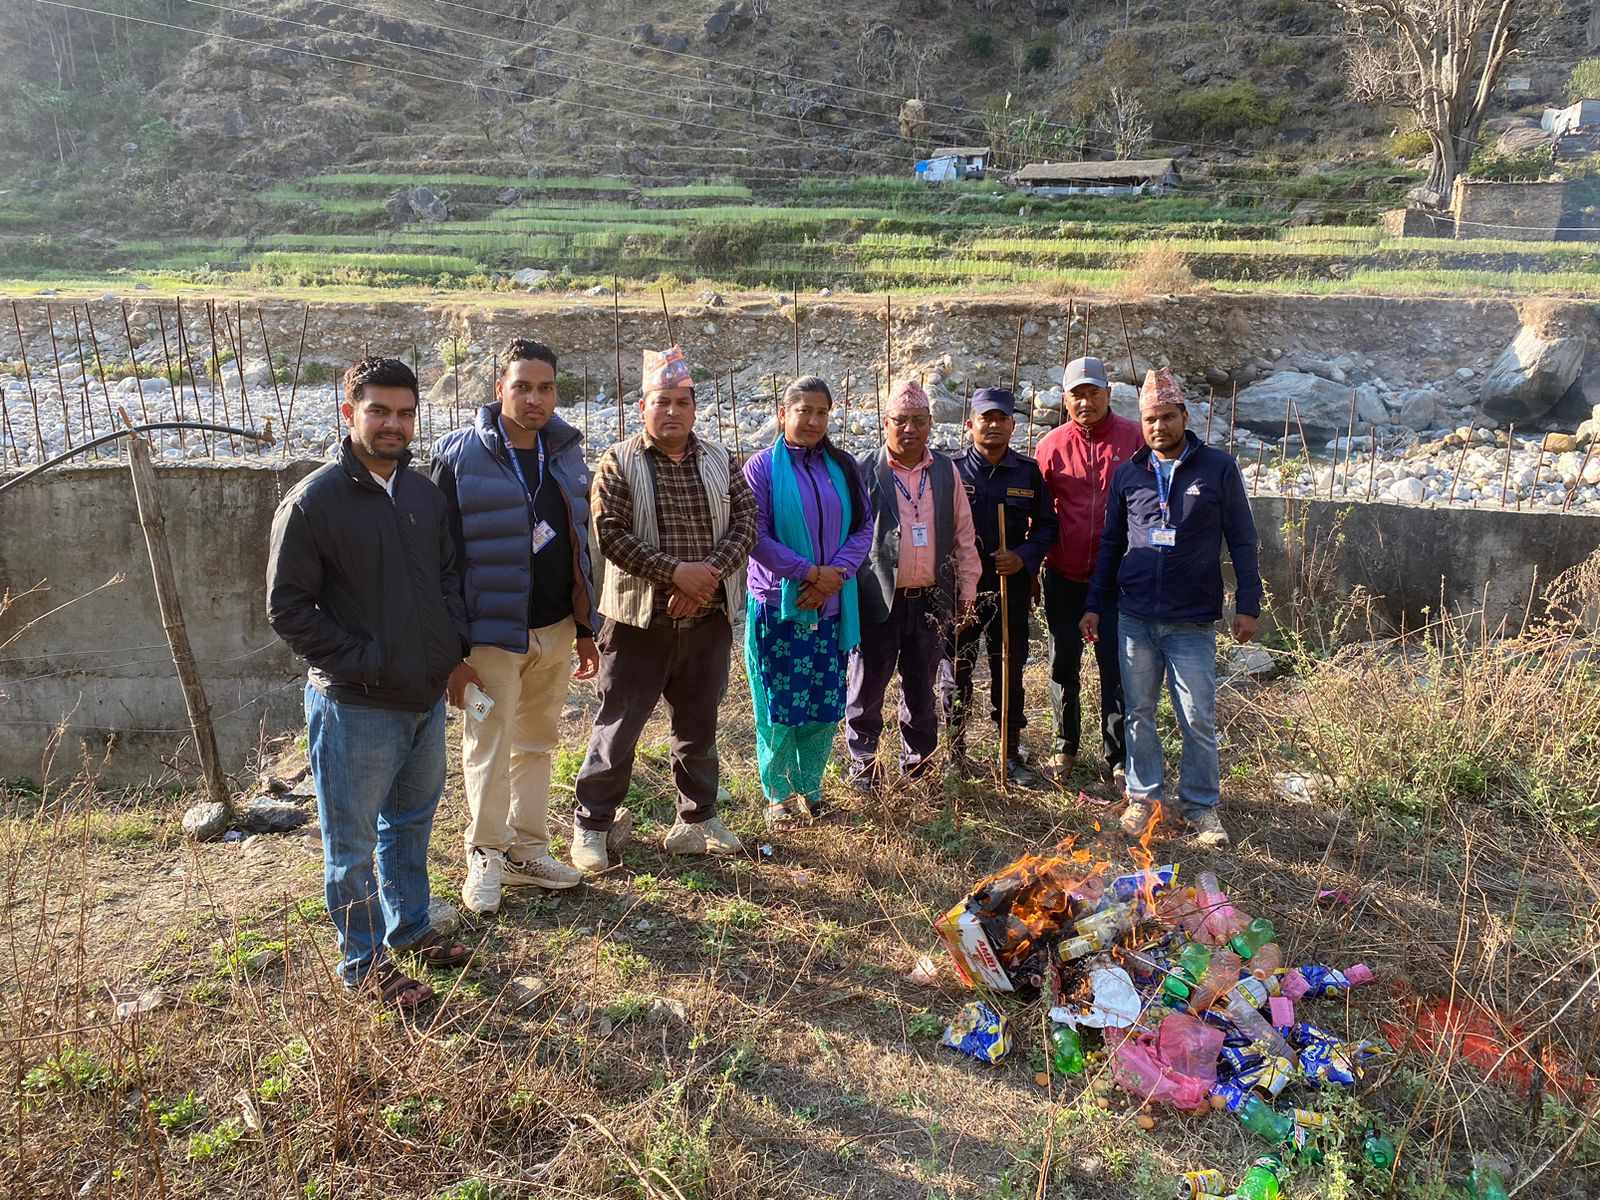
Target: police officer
(995,477)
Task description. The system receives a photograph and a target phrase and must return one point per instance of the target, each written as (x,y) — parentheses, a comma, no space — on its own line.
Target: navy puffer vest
(494,520)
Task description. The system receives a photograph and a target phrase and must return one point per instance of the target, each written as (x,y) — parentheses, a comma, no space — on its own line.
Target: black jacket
(1030,510)
(365,589)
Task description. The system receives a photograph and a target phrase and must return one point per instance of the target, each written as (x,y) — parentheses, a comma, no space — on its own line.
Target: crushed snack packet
(980,1031)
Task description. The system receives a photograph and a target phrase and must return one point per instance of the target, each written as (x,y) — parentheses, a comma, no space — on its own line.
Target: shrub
(1513,168)
(1162,270)
(1221,111)
(1037,57)
(1585,81)
(1413,143)
(980,43)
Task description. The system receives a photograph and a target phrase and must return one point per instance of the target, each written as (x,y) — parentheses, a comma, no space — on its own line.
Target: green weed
(70,1071)
(215,1143)
(178,1114)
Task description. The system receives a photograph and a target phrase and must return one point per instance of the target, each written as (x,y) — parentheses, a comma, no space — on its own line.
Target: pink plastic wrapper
(1177,1066)
(1281,1010)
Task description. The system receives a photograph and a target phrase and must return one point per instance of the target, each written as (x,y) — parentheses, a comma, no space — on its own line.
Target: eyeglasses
(911,422)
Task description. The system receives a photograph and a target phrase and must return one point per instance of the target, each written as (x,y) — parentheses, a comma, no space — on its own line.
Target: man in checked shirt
(675,521)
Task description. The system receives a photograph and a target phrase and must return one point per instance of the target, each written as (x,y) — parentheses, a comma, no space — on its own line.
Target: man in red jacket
(1077,461)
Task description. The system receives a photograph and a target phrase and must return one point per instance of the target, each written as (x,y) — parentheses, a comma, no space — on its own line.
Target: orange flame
(1038,897)
(1145,860)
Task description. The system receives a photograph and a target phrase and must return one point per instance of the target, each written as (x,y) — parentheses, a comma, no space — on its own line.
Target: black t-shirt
(550,593)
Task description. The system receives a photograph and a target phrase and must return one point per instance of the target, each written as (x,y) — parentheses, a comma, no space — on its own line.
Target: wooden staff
(1349,444)
(1505,477)
(294,379)
(1584,466)
(666,314)
(1133,371)
(1005,654)
(133,362)
(100,369)
(1016,358)
(616,345)
(186,363)
(1461,460)
(1233,407)
(83,377)
(61,388)
(27,376)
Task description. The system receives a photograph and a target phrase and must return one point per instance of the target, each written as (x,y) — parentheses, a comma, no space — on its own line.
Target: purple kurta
(771,562)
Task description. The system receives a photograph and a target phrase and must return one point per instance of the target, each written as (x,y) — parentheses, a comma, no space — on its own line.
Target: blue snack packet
(978,1030)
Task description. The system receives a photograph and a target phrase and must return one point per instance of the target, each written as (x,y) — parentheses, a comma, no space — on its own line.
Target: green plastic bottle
(1379,1149)
(1254,936)
(1067,1058)
(1488,1184)
(1193,960)
(1261,1119)
(1260,1182)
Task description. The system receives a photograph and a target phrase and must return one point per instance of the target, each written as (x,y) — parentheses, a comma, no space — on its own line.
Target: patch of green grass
(924,1025)
(736,913)
(404,1118)
(467,1189)
(178,1114)
(628,963)
(249,950)
(627,1006)
(215,1143)
(698,191)
(69,1071)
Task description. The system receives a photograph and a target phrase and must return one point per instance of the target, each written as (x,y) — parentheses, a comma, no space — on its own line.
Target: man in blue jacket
(995,478)
(1160,564)
(517,488)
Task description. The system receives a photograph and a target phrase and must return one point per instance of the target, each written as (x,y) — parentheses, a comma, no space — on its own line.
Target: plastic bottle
(1379,1150)
(1221,920)
(1193,960)
(1488,1183)
(1221,975)
(1260,1182)
(1254,936)
(1067,1058)
(1266,961)
(1254,1026)
(1261,1119)
(1107,924)
(1081,946)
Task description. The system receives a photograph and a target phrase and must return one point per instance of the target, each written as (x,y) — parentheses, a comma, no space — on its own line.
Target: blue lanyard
(1164,488)
(516,465)
(922,485)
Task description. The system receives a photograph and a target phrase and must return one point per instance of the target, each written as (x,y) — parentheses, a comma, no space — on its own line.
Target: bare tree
(1122,119)
(1440,59)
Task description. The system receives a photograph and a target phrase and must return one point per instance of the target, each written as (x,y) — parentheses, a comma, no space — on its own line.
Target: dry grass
(1162,270)
(807,1065)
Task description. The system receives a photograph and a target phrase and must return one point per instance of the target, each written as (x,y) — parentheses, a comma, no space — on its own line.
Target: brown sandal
(436,950)
(394,987)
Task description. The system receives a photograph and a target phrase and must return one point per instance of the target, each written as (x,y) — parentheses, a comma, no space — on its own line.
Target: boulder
(207,821)
(1322,406)
(1532,374)
(530,277)
(1589,431)
(272,816)
(1408,490)
(1370,408)
(418,203)
(1418,408)
(1125,400)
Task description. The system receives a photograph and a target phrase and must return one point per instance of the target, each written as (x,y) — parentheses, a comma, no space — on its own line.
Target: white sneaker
(589,853)
(541,870)
(486,871)
(710,836)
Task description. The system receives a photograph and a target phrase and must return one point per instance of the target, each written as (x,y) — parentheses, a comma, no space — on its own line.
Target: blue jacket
(473,468)
(1030,510)
(1181,584)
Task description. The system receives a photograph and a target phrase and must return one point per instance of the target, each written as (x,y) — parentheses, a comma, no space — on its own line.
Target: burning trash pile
(1187,994)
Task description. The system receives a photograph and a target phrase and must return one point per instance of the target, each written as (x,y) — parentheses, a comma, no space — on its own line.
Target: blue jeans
(379,774)
(1185,655)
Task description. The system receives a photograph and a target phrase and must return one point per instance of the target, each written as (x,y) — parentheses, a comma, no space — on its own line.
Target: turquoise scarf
(789,522)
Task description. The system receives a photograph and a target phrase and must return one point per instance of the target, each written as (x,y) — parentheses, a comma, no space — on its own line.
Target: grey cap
(1084,370)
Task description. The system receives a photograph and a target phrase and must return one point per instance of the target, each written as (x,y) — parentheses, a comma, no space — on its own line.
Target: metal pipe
(103,439)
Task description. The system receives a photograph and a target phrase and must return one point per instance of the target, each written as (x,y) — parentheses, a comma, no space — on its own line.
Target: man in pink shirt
(920,577)
(1077,461)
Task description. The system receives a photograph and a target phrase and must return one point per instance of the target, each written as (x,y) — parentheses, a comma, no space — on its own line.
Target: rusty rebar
(100,369)
(616,342)
(133,361)
(1087,309)
(61,388)
(272,374)
(666,314)
(83,377)
(218,380)
(1133,370)
(1461,461)
(27,376)
(1582,467)
(186,363)
(1233,408)
(1016,358)
(1349,444)
(1505,476)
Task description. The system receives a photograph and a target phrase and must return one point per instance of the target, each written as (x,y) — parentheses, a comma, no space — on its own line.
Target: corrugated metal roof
(1130,168)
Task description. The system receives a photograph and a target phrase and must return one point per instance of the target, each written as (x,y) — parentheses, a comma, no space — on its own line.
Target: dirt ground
(702,1028)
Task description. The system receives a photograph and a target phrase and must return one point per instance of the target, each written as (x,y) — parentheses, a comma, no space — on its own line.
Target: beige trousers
(506,757)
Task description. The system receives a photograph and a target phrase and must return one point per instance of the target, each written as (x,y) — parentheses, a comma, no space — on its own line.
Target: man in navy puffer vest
(517,489)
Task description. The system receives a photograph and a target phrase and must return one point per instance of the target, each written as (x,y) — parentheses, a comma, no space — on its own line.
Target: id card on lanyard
(542,534)
(919,528)
(1166,537)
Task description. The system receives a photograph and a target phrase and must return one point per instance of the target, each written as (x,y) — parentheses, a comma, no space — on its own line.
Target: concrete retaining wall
(101,665)
(1523,212)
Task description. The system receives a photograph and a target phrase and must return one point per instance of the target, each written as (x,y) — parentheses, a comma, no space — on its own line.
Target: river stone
(206,821)
(272,816)
(1531,375)
(1322,406)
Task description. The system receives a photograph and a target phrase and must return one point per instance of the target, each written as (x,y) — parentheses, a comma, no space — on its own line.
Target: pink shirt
(917,567)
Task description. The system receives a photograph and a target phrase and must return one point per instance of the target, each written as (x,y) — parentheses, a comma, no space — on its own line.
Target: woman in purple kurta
(802,620)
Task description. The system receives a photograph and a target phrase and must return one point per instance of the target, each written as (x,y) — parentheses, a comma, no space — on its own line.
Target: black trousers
(961,657)
(1063,608)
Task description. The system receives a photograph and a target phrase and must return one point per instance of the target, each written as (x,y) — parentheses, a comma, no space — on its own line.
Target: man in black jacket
(362,583)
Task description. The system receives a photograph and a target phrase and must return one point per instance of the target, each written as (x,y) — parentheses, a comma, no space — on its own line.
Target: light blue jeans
(379,774)
(1185,656)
